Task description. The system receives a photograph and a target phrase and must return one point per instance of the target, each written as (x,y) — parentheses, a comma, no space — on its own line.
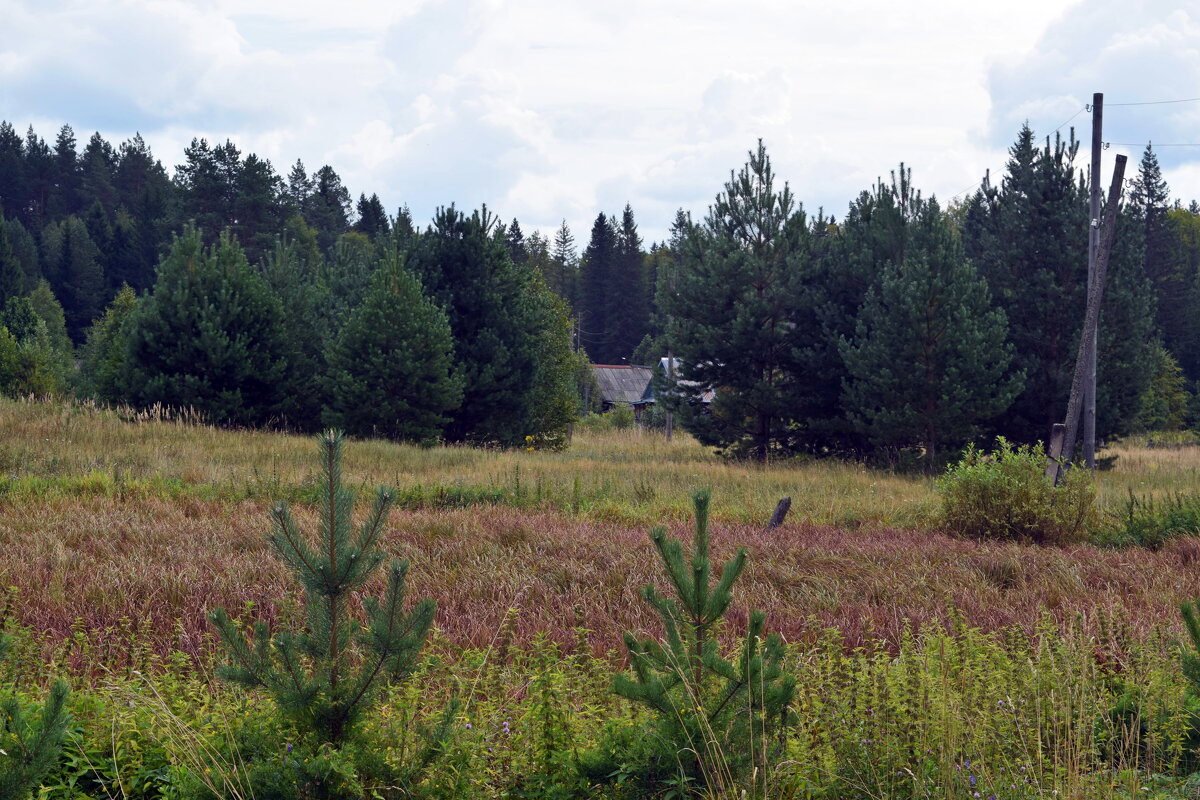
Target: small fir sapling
(28,752)
(717,715)
(325,676)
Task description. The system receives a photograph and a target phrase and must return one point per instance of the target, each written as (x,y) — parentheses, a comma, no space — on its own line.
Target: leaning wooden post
(1092,318)
(781,511)
(1054,452)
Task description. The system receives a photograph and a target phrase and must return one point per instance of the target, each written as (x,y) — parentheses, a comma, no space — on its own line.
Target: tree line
(913,328)
(905,327)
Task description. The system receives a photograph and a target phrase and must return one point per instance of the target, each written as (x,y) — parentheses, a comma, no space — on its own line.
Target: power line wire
(1152,144)
(1157,102)
(1073,116)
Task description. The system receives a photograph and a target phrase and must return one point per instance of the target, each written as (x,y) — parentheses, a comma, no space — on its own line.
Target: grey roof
(628,384)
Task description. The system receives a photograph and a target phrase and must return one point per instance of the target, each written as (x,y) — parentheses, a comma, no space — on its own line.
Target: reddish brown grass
(152,570)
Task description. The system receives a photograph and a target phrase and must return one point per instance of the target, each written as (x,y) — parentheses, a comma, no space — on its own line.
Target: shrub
(1005,495)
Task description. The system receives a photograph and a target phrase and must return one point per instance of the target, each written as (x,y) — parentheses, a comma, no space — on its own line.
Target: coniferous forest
(902,329)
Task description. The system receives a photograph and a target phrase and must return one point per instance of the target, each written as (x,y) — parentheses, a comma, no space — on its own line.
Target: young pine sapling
(325,676)
(718,716)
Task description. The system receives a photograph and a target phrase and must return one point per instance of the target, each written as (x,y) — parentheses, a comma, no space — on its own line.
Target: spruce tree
(14,193)
(12,279)
(257,206)
(1028,238)
(306,328)
(628,314)
(97,165)
(25,251)
(328,207)
(718,717)
(564,278)
(514,239)
(391,369)
(64,194)
(372,219)
(299,188)
(327,676)
(595,291)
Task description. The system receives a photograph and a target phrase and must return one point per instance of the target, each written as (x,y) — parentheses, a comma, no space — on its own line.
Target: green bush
(1005,495)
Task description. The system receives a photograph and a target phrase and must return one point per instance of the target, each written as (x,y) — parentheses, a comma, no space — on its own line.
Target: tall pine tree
(929,358)
(733,309)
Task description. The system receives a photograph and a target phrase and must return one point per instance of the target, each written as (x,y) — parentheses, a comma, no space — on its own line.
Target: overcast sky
(553,109)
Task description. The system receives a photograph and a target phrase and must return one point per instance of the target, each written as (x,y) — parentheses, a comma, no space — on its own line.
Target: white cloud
(547,109)
(1148,51)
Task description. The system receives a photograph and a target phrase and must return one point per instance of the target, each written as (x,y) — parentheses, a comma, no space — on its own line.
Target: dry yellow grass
(621,474)
(629,475)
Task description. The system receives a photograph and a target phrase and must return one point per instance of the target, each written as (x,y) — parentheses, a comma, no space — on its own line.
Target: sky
(552,110)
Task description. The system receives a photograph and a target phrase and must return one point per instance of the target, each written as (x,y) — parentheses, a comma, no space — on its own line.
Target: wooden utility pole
(671,388)
(1089,390)
(1092,317)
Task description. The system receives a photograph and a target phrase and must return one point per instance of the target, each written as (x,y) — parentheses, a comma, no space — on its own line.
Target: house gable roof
(624,383)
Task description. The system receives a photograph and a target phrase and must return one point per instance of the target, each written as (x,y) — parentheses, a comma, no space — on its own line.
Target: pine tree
(327,676)
(208,337)
(391,369)
(498,319)
(733,313)
(929,358)
(30,751)
(717,717)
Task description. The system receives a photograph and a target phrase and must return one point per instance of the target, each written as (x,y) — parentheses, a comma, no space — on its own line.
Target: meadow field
(927,664)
